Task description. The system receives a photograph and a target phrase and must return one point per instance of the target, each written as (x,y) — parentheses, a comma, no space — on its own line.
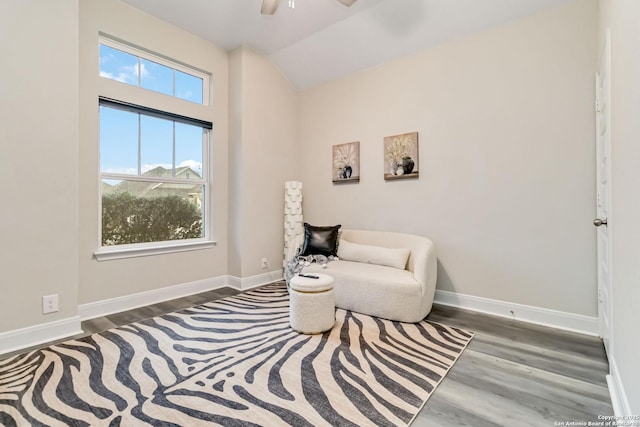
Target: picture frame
(346,163)
(401,156)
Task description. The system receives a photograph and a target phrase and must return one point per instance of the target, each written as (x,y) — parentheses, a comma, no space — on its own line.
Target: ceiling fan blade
(347,3)
(269,7)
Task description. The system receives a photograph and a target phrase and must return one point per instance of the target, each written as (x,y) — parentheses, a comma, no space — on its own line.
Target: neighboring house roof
(142,188)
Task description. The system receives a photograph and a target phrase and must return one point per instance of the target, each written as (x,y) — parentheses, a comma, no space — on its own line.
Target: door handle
(598,222)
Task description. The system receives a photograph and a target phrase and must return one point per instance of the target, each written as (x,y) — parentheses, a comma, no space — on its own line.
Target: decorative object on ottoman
(311,303)
(297,262)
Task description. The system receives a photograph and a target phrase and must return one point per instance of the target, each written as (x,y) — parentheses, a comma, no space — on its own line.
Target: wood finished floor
(511,374)
(518,374)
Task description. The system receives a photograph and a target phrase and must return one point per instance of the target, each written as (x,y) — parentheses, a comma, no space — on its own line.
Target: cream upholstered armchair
(383,274)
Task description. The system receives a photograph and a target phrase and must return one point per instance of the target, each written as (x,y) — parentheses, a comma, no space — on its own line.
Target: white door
(603,200)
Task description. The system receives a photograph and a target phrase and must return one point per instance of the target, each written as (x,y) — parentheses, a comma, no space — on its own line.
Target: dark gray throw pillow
(320,240)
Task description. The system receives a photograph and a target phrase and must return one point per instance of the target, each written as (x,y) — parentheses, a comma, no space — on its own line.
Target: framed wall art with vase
(346,162)
(401,156)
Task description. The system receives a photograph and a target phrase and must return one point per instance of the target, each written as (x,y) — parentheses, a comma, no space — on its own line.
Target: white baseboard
(128,302)
(245,283)
(526,313)
(19,339)
(619,399)
(116,305)
(38,334)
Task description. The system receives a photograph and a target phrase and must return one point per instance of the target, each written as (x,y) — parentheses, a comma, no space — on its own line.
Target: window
(153,161)
(124,64)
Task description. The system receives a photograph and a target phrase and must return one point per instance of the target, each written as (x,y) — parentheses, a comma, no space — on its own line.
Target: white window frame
(145,98)
(162,60)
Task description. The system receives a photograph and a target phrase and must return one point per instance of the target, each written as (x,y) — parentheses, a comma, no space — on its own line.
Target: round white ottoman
(311,304)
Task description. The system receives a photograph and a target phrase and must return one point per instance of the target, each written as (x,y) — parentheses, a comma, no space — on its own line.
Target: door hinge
(597,105)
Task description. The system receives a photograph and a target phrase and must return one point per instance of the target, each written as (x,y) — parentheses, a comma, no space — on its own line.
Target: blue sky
(119,129)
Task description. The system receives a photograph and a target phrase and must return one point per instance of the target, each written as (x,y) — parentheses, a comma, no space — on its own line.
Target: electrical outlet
(50,304)
(265,263)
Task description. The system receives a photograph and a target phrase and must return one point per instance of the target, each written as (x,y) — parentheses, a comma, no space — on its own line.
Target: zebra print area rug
(233,362)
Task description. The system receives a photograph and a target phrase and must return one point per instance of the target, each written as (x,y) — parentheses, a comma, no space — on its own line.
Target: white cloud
(139,69)
(188,95)
(128,74)
(106,58)
(196,166)
(125,171)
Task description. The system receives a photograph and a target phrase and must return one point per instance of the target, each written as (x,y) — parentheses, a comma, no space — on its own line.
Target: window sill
(112,252)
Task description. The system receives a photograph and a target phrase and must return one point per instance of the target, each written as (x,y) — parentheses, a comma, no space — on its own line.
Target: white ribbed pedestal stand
(293,223)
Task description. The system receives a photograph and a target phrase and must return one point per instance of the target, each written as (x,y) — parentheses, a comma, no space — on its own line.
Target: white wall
(622,17)
(263,150)
(506,187)
(38,160)
(235,161)
(109,279)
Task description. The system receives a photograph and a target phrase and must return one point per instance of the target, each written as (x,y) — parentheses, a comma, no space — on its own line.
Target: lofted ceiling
(321,40)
